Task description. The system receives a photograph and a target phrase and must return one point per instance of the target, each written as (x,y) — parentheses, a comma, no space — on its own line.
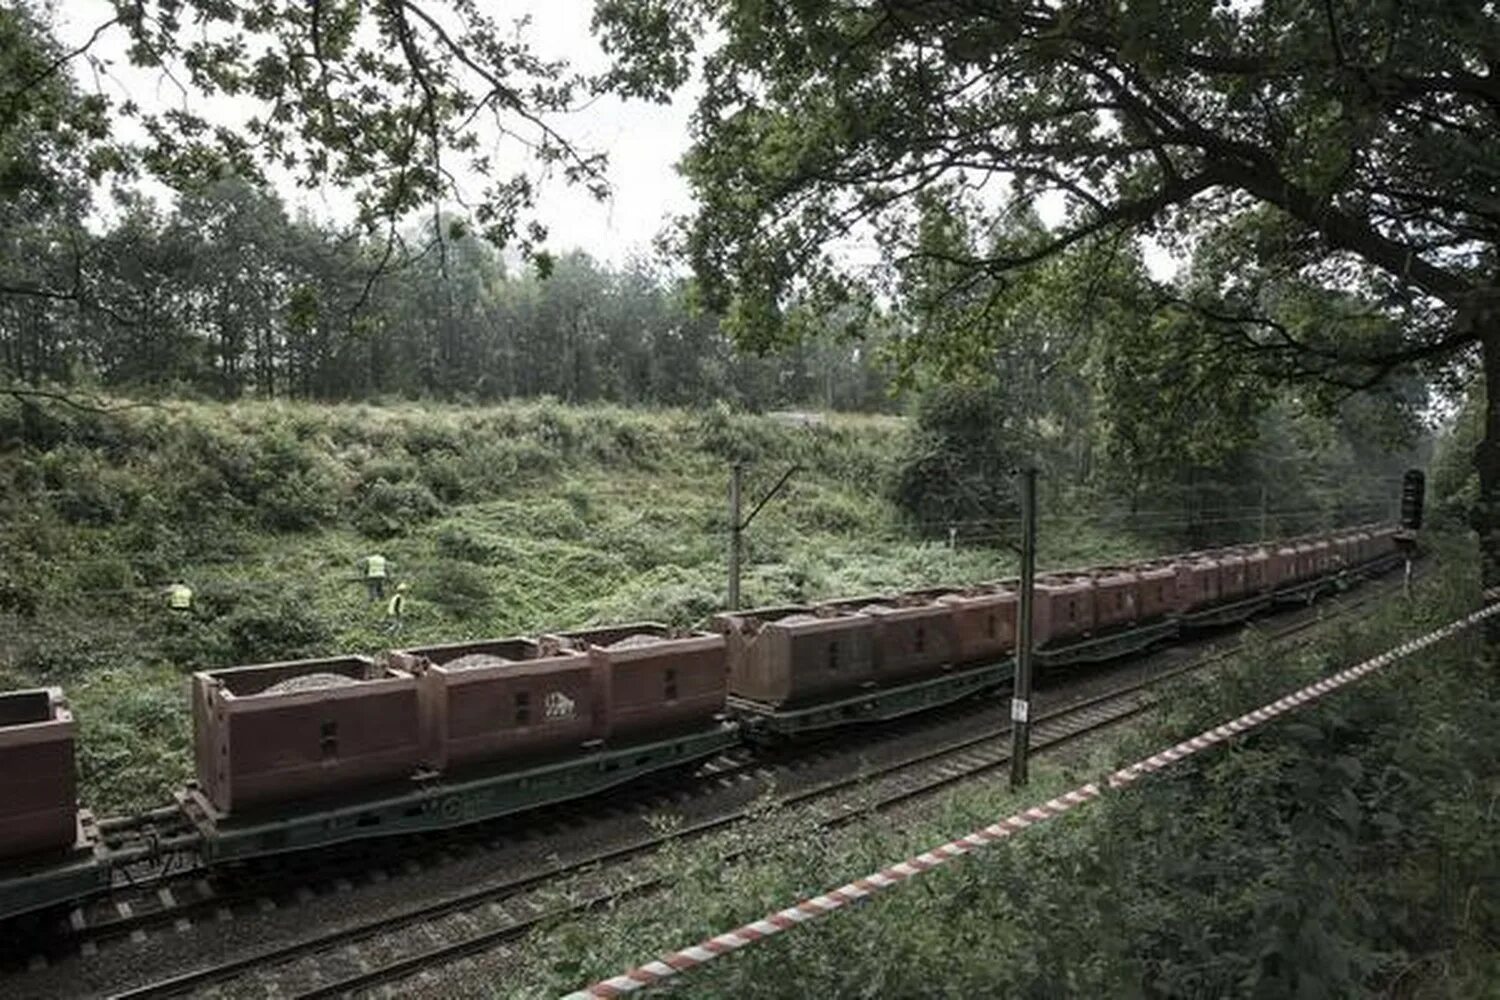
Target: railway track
(365,954)
(135,910)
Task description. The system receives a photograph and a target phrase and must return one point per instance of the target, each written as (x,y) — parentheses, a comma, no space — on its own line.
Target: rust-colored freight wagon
(1158,589)
(1116,596)
(655,680)
(787,655)
(914,638)
(1307,559)
(1232,581)
(1323,556)
(984,618)
(281,731)
(38,796)
(1062,607)
(984,622)
(502,698)
(1345,550)
(1258,570)
(1282,570)
(1197,581)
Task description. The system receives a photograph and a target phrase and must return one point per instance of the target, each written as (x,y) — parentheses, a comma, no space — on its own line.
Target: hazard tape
(782,920)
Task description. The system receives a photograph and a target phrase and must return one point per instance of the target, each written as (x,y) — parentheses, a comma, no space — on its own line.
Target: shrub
(387,509)
(458,588)
(281,629)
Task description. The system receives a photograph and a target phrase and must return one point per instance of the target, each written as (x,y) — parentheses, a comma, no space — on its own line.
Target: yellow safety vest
(395,606)
(375,568)
(182,597)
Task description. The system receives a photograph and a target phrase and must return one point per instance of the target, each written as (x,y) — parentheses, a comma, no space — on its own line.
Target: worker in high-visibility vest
(395,608)
(180,597)
(375,576)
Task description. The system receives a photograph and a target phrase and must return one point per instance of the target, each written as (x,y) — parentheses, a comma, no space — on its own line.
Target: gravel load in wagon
(476,661)
(310,682)
(635,641)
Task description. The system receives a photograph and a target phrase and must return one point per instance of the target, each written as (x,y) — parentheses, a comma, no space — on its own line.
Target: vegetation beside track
(504,519)
(1345,850)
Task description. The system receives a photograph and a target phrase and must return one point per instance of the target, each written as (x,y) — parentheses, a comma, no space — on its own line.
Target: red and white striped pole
(688,958)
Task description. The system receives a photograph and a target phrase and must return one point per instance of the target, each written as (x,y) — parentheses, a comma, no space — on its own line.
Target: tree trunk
(1486,514)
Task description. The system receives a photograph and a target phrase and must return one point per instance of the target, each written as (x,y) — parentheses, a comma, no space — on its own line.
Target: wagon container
(789,655)
(1258,576)
(502,698)
(1282,569)
(1307,563)
(913,637)
(1322,555)
(38,794)
(984,622)
(1197,581)
(1116,596)
(1362,546)
(280,731)
(1063,607)
(984,618)
(655,679)
(1157,592)
(1347,546)
(1232,577)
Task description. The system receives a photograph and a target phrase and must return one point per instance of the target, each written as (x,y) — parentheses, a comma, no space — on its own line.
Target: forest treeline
(225,294)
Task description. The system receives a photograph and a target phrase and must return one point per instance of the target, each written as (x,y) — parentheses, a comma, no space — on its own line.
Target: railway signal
(1413,491)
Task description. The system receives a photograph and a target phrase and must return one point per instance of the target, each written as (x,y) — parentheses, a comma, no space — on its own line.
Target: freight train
(299,755)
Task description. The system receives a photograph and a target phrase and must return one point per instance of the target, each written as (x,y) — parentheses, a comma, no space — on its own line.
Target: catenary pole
(737,525)
(735,528)
(1020,706)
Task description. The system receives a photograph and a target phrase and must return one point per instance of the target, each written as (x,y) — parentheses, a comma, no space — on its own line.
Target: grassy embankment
(1346,850)
(504,520)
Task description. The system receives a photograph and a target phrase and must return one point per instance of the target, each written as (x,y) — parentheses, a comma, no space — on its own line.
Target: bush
(284,629)
(458,588)
(387,509)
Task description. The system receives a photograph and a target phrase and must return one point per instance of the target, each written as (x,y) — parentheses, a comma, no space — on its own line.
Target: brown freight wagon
(1157,591)
(789,655)
(1307,559)
(38,791)
(984,618)
(1322,556)
(1063,607)
(1116,596)
(1258,570)
(502,698)
(655,680)
(1346,550)
(281,731)
(1197,581)
(1283,569)
(914,638)
(1232,583)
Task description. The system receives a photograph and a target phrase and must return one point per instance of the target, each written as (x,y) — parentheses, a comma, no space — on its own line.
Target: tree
(396,100)
(1338,162)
